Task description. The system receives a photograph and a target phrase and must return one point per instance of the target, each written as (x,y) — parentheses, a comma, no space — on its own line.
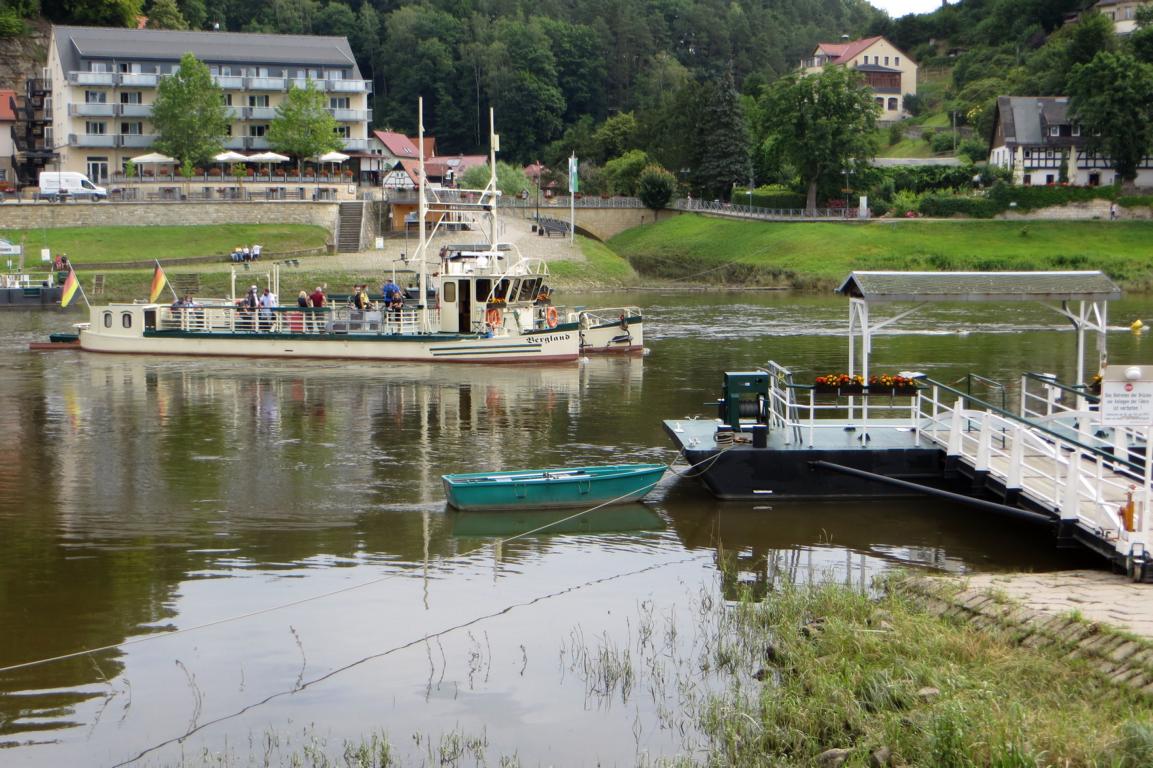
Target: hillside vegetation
(702,250)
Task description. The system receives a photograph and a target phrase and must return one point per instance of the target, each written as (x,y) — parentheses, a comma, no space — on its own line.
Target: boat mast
(422,211)
(493,148)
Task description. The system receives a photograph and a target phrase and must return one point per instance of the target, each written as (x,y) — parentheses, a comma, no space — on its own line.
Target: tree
(1112,97)
(165,14)
(623,173)
(820,124)
(655,187)
(189,113)
(510,179)
(96,13)
(303,126)
(722,141)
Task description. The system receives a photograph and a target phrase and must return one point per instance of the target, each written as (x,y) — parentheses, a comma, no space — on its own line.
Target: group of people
(256,308)
(392,297)
(244,253)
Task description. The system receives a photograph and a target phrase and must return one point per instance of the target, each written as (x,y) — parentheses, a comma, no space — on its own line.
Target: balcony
(107,140)
(260,113)
(236,143)
(352,115)
(356,145)
(348,86)
(85,109)
(256,142)
(135,110)
(266,83)
(136,140)
(92,78)
(139,79)
(233,113)
(229,82)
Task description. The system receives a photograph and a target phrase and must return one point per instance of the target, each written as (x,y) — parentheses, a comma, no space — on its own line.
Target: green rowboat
(560,488)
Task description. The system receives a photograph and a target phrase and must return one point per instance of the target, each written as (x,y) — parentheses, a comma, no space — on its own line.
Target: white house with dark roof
(103,82)
(888,71)
(1038,140)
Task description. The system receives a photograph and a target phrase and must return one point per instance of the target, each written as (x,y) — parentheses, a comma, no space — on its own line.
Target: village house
(100,83)
(1036,138)
(1123,13)
(889,72)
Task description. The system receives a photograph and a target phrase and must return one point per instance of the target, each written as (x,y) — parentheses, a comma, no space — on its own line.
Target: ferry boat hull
(132,329)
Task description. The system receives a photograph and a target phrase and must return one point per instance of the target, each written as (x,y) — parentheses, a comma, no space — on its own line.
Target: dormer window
(1054,130)
(1076,130)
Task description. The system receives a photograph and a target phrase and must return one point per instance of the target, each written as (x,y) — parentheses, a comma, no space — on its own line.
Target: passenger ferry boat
(482,303)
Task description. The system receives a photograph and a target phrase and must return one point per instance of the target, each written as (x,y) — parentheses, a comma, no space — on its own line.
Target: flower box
(844,384)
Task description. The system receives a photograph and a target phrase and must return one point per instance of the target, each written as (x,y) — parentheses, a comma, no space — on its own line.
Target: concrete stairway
(349,225)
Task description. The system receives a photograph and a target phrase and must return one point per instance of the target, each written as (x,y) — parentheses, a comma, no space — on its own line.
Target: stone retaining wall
(134,214)
(1123,659)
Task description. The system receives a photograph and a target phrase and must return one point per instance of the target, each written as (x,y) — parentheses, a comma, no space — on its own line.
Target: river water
(242,561)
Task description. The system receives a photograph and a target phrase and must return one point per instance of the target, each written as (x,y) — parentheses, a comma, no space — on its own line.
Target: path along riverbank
(1101,617)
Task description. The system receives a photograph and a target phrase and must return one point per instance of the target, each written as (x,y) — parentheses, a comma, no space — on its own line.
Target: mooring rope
(324,595)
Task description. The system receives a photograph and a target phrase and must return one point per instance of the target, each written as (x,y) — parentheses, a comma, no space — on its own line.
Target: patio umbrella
(229,157)
(153,158)
(267,157)
(333,157)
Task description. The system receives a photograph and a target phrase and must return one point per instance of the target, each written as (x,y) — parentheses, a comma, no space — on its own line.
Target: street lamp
(847,189)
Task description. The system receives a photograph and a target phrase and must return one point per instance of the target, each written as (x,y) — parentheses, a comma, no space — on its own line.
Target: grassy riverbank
(703,250)
(99,245)
(815,675)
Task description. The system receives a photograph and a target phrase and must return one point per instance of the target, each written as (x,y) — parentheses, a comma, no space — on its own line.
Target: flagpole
(573,186)
(167,281)
(79,286)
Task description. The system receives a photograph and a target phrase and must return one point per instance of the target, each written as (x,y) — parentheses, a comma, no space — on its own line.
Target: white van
(58,184)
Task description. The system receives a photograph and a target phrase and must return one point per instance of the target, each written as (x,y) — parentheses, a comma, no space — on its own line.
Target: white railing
(327,321)
(1077,481)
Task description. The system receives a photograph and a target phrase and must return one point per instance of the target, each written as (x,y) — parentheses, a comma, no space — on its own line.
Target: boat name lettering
(550,338)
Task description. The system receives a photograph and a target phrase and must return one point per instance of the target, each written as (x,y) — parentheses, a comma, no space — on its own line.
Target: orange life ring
(551,317)
(493,317)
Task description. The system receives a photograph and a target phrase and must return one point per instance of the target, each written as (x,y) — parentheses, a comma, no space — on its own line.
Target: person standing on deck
(266,305)
(318,300)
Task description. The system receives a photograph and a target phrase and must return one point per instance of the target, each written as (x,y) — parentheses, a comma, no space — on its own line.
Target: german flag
(159,280)
(71,286)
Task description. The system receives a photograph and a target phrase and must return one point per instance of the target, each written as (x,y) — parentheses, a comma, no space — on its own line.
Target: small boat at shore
(557,488)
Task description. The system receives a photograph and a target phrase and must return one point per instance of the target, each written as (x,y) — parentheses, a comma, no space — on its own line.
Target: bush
(1135,201)
(974,149)
(896,133)
(777,196)
(11,25)
(1031,198)
(949,204)
(904,202)
(942,142)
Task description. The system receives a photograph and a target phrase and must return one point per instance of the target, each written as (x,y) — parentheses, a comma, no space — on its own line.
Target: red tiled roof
(396,143)
(844,52)
(6,113)
(429,147)
(458,164)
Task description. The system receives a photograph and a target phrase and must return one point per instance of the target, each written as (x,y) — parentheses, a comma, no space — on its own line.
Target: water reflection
(144,495)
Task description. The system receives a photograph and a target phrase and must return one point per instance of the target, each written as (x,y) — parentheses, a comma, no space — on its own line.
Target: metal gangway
(1054,457)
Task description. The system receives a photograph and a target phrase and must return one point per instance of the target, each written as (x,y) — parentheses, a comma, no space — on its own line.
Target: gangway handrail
(1049,379)
(1057,436)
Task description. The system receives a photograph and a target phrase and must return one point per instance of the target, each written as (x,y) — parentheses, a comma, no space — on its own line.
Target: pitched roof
(7,114)
(429,148)
(843,52)
(979,286)
(76,43)
(1023,118)
(458,164)
(397,143)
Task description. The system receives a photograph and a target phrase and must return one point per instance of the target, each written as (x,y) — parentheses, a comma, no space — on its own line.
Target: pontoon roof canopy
(979,286)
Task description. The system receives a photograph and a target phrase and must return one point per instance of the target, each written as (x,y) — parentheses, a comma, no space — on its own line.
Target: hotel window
(134,129)
(334,74)
(131,97)
(257,130)
(97,66)
(339,102)
(93,128)
(344,131)
(129,67)
(95,97)
(258,101)
(226,98)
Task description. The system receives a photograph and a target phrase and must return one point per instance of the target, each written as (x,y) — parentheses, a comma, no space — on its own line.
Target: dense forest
(684,84)
(545,66)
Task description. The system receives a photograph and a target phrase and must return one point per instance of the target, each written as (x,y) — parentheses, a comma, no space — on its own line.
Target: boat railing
(604,315)
(801,410)
(1083,481)
(308,321)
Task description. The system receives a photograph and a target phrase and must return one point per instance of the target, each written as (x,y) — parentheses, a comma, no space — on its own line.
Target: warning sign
(1126,401)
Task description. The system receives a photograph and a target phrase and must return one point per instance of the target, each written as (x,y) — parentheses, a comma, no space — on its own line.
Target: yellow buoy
(1136,325)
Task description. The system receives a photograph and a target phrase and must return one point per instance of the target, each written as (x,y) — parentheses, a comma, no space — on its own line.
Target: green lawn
(600,267)
(906,147)
(820,255)
(91,245)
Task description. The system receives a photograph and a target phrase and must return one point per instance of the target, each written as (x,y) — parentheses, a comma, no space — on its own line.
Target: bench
(549,227)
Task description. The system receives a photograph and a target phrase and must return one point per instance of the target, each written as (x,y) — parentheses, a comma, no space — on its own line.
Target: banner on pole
(573,181)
